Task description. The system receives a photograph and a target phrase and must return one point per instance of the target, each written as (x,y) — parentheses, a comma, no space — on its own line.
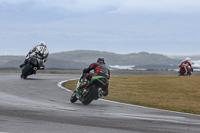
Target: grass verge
(174,93)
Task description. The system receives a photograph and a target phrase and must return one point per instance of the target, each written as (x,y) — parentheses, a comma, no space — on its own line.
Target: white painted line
(60,84)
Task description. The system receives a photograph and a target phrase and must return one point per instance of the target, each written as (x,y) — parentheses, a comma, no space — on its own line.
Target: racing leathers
(187,64)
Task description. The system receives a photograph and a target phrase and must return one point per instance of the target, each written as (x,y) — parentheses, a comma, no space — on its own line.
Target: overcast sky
(120,26)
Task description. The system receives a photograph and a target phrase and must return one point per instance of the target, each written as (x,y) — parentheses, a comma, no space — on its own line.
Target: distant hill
(182,57)
(142,58)
(11,61)
(82,58)
(64,64)
(15,61)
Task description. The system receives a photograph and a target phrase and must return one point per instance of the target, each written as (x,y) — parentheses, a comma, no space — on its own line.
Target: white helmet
(187,59)
(42,43)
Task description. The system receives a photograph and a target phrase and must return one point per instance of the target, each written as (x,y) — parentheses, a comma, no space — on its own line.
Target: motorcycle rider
(100,69)
(188,65)
(41,51)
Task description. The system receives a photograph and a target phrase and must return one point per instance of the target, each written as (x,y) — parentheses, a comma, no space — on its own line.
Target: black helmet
(101,60)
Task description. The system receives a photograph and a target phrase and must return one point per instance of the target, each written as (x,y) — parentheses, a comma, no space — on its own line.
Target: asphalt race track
(38,105)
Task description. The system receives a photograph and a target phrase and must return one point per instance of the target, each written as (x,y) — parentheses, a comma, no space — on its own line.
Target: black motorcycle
(35,62)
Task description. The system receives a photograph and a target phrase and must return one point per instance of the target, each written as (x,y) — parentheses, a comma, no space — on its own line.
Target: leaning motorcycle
(91,92)
(183,71)
(35,62)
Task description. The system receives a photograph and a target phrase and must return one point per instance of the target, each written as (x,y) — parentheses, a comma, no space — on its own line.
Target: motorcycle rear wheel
(90,96)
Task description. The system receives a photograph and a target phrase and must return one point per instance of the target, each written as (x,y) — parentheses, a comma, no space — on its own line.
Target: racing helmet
(187,59)
(101,60)
(42,43)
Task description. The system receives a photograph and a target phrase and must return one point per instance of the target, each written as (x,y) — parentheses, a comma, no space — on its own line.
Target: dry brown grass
(165,92)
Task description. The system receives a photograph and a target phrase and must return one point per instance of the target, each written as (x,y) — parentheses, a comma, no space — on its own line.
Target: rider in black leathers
(100,69)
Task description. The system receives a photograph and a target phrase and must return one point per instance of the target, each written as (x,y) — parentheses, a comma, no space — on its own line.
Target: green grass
(177,93)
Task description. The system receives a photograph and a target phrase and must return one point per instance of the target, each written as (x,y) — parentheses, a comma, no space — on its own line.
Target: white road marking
(60,84)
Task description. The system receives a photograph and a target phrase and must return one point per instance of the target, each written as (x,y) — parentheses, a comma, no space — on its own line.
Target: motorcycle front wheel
(26,70)
(73,98)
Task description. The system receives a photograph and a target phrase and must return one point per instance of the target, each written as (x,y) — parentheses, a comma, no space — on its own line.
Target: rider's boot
(42,67)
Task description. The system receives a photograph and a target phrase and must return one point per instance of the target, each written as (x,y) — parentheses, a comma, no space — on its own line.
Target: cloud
(146,6)
(92,7)
(12,2)
(65,6)
(92,22)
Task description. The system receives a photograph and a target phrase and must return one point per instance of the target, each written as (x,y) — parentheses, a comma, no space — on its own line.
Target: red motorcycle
(183,71)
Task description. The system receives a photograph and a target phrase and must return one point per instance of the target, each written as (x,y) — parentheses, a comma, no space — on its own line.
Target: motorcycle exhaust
(35,68)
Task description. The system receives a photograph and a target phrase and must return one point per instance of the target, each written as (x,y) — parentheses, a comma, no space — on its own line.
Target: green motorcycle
(90,92)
